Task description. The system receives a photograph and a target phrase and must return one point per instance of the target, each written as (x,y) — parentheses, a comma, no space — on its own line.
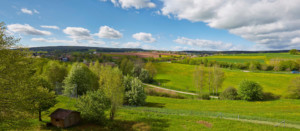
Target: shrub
(229,93)
(134,91)
(293,51)
(205,96)
(92,106)
(250,91)
(270,96)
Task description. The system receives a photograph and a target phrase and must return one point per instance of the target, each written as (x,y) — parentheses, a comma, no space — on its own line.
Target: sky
(155,24)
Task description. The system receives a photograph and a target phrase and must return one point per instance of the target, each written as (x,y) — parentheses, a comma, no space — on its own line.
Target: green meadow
(186,114)
(180,77)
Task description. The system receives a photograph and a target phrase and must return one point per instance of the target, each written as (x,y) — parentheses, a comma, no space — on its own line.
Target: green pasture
(180,77)
(184,114)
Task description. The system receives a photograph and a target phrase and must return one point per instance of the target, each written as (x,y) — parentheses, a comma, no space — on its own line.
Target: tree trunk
(40,115)
(112,113)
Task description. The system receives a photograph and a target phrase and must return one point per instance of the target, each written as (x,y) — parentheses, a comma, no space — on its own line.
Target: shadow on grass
(161,81)
(152,104)
(144,124)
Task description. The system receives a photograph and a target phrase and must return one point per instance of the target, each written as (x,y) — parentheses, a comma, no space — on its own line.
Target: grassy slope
(180,77)
(186,114)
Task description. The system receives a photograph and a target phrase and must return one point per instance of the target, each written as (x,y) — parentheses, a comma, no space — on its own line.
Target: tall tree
(126,66)
(15,73)
(200,78)
(151,68)
(219,77)
(111,83)
(55,73)
(79,80)
(41,99)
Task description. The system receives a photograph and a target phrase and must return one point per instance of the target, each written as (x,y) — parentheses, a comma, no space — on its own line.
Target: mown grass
(183,114)
(180,77)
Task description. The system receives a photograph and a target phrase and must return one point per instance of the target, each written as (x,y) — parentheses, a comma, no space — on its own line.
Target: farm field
(180,77)
(143,54)
(186,114)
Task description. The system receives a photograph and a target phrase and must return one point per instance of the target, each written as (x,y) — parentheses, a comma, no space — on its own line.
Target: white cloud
(137,4)
(71,42)
(145,37)
(148,47)
(204,44)
(269,23)
(26,29)
(50,27)
(30,12)
(53,40)
(296,40)
(132,45)
(78,33)
(109,33)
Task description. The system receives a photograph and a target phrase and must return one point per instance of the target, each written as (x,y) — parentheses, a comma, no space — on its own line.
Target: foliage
(200,78)
(250,91)
(92,106)
(80,80)
(126,66)
(218,78)
(55,73)
(134,91)
(205,96)
(293,52)
(41,99)
(111,83)
(229,93)
(270,96)
(294,89)
(151,69)
(16,70)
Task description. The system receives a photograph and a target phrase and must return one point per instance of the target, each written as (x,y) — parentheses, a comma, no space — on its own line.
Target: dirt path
(188,93)
(282,124)
(182,92)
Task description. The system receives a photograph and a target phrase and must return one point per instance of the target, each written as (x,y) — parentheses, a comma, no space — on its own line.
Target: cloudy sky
(155,24)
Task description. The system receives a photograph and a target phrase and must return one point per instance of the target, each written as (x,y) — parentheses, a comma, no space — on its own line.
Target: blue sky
(162,25)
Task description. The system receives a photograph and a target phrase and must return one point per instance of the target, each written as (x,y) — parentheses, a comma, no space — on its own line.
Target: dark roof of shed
(61,113)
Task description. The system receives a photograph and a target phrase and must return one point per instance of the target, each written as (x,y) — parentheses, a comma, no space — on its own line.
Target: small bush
(270,96)
(250,91)
(229,93)
(205,96)
(134,91)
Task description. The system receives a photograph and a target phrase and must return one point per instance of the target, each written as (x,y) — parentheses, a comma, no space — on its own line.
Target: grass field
(186,114)
(242,58)
(180,77)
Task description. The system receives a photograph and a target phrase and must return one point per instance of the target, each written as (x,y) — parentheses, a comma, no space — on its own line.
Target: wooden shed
(64,118)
